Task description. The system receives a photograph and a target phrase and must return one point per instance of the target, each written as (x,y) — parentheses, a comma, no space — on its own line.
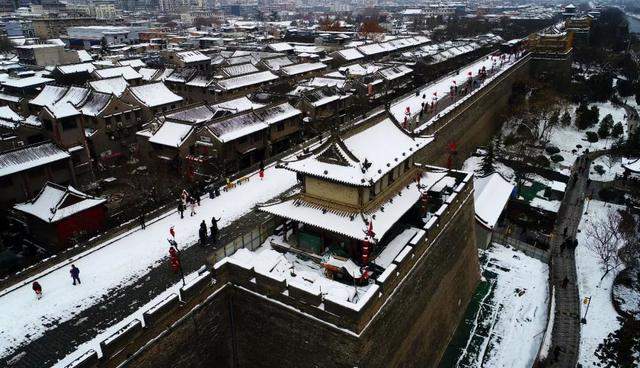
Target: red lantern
(174,259)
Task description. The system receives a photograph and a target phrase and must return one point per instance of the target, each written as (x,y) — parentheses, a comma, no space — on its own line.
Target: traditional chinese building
(355,191)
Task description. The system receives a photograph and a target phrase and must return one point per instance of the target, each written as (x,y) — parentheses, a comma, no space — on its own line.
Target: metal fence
(250,240)
(525,248)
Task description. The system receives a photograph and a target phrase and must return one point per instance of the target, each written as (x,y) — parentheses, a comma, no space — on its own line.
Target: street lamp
(587,301)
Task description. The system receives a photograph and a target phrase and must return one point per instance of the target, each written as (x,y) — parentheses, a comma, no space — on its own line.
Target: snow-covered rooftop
(349,54)
(280,46)
(95,103)
(6,113)
(238,126)
(302,68)
(154,94)
(351,224)
(240,69)
(134,63)
(29,157)
(194,115)
(25,82)
(192,56)
(115,86)
(491,195)
(246,80)
(55,202)
(172,134)
(76,68)
(358,148)
(238,105)
(277,63)
(127,72)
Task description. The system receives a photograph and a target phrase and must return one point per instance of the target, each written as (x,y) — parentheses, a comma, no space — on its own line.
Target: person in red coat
(37,289)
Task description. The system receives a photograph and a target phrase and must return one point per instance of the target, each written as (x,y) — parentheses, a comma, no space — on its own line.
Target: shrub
(592,137)
(557,158)
(604,130)
(541,161)
(599,169)
(552,150)
(617,130)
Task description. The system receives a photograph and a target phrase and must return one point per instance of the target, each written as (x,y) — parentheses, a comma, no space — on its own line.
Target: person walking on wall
(75,274)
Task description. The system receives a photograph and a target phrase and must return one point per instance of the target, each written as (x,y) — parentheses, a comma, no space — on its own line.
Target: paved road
(63,338)
(565,344)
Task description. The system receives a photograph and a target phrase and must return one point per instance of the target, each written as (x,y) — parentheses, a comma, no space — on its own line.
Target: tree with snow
(604,239)
(487,165)
(617,130)
(604,130)
(566,118)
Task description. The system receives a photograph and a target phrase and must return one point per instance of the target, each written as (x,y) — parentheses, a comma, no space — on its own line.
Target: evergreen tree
(617,130)
(487,166)
(604,130)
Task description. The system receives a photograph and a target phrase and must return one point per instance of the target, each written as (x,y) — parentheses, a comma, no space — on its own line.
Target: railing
(250,240)
(525,248)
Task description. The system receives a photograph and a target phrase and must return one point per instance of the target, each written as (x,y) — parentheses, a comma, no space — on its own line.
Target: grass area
(462,351)
(529,192)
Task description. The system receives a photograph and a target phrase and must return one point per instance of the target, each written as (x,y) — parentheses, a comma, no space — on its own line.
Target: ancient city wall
(242,318)
(239,317)
(474,121)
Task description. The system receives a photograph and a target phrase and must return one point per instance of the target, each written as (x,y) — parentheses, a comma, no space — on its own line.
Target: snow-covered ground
(567,138)
(612,166)
(121,262)
(602,318)
(515,313)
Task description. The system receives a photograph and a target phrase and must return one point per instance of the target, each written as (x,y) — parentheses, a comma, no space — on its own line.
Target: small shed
(491,195)
(59,213)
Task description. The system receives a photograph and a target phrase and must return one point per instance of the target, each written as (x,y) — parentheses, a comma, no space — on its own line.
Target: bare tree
(604,239)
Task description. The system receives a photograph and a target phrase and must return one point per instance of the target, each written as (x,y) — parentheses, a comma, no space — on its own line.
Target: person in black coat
(75,274)
(141,219)
(181,209)
(203,233)
(214,229)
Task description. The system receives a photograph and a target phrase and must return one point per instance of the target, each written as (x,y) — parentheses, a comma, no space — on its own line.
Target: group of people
(213,235)
(188,201)
(75,276)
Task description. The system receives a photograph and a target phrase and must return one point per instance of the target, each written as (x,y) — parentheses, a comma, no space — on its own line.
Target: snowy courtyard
(510,308)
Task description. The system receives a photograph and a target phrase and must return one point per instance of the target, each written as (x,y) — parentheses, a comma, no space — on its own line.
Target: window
(372,192)
(407,165)
(392,175)
(280,126)
(242,140)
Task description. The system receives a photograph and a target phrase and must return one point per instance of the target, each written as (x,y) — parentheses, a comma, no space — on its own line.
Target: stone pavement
(565,342)
(63,338)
